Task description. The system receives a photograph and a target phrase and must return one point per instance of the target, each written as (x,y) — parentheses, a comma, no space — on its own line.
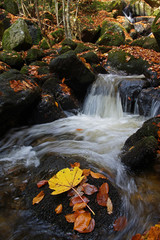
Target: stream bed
(97,134)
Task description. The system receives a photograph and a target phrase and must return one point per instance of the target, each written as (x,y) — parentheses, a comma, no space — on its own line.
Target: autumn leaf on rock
(76,164)
(42,183)
(77,199)
(102,195)
(109,206)
(58,209)
(82,221)
(65,179)
(79,206)
(97,175)
(38,198)
(72,216)
(90,227)
(120,223)
(89,189)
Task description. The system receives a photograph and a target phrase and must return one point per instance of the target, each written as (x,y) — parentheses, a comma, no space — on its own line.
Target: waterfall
(103,99)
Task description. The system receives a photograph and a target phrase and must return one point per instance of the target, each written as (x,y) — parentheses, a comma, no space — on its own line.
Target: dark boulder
(156,28)
(12,58)
(90,35)
(139,152)
(18,95)
(129,89)
(149,102)
(70,43)
(11,6)
(78,76)
(34,55)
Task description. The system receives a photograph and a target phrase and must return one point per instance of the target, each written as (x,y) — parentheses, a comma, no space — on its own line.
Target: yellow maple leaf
(65,179)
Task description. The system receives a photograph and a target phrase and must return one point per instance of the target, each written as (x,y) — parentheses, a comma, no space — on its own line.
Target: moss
(70,43)
(33,55)
(58,35)
(24,69)
(156,28)
(64,49)
(81,48)
(11,6)
(12,58)
(44,44)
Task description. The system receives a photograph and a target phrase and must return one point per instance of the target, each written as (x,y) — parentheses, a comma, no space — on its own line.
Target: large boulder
(4,23)
(12,58)
(18,95)
(112,34)
(139,152)
(149,102)
(17,37)
(78,76)
(90,34)
(129,89)
(11,6)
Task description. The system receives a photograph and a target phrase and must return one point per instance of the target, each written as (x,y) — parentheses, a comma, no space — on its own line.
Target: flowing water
(97,133)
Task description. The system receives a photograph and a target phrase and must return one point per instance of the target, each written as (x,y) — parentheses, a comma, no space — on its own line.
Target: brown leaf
(90,228)
(86,172)
(97,175)
(109,206)
(102,195)
(38,198)
(76,164)
(79,206)
(82,221)
(75,200)
(42,183)
(120,223)
(137,237)
(72,217)
(89,189)
(58,209)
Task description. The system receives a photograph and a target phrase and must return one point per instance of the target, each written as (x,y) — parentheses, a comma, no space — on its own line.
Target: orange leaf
(79,129)
(58,209)
(97,175)
(42,183)
(75,200)
(76,164)
(79,206)
(89,189)
(72,217)
(82,221)
(120,223)
(137,237)
(38,198)
(90,228)
(86,172)
(102,195)
(56,104)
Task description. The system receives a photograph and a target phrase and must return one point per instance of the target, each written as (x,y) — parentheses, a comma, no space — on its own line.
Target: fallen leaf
(109,206)
(120,223)
(137,237)
(42,183)
(89,189)
(65,179)
(82,221)
(38,198)
(86,172)
(102,195)
(79,206)
(56,104)
(79,129)
(97,175)
(75,200)
(72,217)
(76,164)
(90,228)
(58,209)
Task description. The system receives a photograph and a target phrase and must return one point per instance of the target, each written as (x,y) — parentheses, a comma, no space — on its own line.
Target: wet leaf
(86,172)
(89,189)
(79,129)
(90,228)
(75,200)
(42,183)
(72,217)
(102,195)
(58,209)
(137,237)
(82,221)
(109,206)
(79,206)
(76,164)
(38,198)
(65,179)
(120,223)
(56,104)
(97,175)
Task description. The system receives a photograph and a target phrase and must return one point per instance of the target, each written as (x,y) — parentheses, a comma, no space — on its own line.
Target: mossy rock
(124,61)
(64,49)
(58,35)
(17,37)
(44,45)
(39,63)
(112,34)
(25,70)
(70,43)
(47,15)
(156,28)
(12,58)
(11,6)
(4,24)
(146,42)
(91,57)
(81,48)
(33,55)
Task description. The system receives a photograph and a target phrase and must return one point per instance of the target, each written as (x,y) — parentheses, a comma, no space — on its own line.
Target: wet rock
(78,76)
(146,42)
(129,89)
(112,34)
(142,155)
(17,37)
(139,152)
(91,57)
(70,43)
(142,28)
(45,209)
(18,96)
(149,102)
(35,32)
(12,58)
(81,48)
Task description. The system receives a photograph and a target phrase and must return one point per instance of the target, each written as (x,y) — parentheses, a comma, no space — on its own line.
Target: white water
(98,133)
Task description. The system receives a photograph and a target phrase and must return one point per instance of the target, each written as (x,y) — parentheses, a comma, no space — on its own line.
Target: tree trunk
(56,10)
(64,17)
(68,19)
(37,13)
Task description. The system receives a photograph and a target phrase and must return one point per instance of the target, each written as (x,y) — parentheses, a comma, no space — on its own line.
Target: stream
(97,133)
